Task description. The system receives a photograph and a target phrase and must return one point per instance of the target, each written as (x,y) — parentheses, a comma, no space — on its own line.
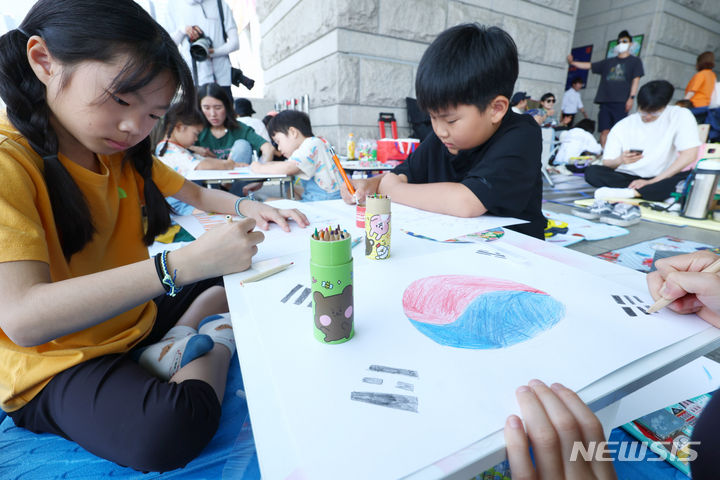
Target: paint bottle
(331,270)
(360,213)
(377,227)
(351,147)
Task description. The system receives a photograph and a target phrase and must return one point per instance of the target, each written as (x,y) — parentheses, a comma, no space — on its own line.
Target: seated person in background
(648,152)
(518,102)
(544,115)
(700,88)
(572,102)
(481,157)
(308,156)
(577,141)
(224,137)
(180,131)
(556,418)
(244,110)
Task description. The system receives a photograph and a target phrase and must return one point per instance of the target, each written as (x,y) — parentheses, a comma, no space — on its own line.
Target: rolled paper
(331,270)
(377,227)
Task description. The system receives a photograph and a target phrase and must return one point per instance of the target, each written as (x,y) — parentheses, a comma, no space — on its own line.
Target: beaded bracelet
(168,282)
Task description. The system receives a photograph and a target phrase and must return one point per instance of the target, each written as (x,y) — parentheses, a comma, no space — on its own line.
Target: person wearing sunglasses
(648,152)
(544,115)
(619,80)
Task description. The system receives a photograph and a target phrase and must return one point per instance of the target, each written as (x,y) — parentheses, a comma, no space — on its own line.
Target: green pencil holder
(331,269)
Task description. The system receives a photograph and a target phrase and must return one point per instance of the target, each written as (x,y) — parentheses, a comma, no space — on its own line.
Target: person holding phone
(648,152)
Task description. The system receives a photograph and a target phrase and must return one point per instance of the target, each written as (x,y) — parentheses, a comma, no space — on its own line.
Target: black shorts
(610,113)
(116,410)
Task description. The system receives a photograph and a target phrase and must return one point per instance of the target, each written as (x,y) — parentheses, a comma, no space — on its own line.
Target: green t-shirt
(221,146)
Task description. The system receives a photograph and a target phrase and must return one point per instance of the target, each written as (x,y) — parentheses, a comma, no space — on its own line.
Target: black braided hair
(97,30)
(178,113)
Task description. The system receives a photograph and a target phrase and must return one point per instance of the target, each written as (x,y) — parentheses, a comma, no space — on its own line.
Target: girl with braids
(81,197)
(180,132)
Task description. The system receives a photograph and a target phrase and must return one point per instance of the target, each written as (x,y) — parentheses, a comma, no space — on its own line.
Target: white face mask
(622,47)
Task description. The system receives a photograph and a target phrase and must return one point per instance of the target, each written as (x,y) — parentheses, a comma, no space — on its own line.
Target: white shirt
(204,14)
(575,141)
(660,140)
(257,125)
(571,102)
(517,110)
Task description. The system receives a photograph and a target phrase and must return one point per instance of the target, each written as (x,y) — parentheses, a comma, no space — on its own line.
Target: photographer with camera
(206,34)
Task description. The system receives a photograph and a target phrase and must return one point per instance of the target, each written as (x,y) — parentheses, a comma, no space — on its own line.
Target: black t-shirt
(504,172)
(616,76)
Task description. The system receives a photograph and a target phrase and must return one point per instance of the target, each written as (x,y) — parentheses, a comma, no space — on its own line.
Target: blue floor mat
(649,467)
(230,455)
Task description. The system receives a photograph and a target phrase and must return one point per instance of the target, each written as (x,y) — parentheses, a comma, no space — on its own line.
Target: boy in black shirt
(482,157)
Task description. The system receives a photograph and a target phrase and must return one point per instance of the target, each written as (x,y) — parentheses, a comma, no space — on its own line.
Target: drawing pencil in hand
(339,166)
(267,273)
(664,302)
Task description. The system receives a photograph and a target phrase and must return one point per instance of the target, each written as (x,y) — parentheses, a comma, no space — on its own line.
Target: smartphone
(635,150)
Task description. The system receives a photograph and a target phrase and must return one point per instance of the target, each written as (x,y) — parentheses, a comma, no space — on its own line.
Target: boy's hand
(556,419)
(363,188)
(570,59)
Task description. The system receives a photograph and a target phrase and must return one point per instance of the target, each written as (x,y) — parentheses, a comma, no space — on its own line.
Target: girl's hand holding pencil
(688,284)
(222,250)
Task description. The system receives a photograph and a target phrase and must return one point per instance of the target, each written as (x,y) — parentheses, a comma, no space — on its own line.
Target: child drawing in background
(308,156)
(180,131)
(81,198)
(482,157)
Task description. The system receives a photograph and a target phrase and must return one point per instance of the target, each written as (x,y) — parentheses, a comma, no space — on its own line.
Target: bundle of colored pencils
(330,234)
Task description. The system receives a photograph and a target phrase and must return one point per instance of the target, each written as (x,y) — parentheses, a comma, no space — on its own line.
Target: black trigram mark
(299,293)
(491,253)
(630,304)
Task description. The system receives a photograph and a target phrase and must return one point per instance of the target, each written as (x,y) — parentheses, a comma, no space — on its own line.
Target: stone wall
(356,58)
(676,31)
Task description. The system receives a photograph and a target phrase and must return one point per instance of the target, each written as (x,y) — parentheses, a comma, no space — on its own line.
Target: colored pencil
(339,166)
(664,302)
(267,273)
(356,242)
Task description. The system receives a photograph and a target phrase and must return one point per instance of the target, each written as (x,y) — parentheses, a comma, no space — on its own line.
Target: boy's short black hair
(654,95)
(586,124)
(625,34)
(282,122)
(577,80)
(467,64)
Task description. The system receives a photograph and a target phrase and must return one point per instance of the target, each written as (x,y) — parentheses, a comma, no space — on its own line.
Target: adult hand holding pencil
(688,284)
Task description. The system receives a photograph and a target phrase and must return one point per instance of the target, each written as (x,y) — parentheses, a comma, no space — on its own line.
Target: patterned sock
(219,328)
(179,331)
(166,357)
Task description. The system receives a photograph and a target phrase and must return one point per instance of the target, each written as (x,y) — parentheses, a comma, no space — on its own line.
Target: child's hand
(681,278)
(264,214)
(363,188)
(226,249)
(202,151)
(556,419)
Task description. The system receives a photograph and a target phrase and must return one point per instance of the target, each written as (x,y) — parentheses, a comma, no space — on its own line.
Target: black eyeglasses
(550,100)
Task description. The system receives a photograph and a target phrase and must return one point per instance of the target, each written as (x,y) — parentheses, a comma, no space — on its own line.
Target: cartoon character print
(334,315)
(382,252)
(368,245)
(379,225)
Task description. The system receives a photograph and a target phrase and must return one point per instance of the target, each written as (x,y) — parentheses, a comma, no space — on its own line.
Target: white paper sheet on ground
(444,227)
(702,375)
(463,395)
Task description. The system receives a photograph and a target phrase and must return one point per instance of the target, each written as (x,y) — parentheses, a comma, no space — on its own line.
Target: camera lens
(200,49)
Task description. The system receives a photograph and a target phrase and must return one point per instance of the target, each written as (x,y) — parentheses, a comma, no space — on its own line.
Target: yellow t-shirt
(28,232)
(703,84)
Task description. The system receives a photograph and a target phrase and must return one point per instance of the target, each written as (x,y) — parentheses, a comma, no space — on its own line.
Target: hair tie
(23,32)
